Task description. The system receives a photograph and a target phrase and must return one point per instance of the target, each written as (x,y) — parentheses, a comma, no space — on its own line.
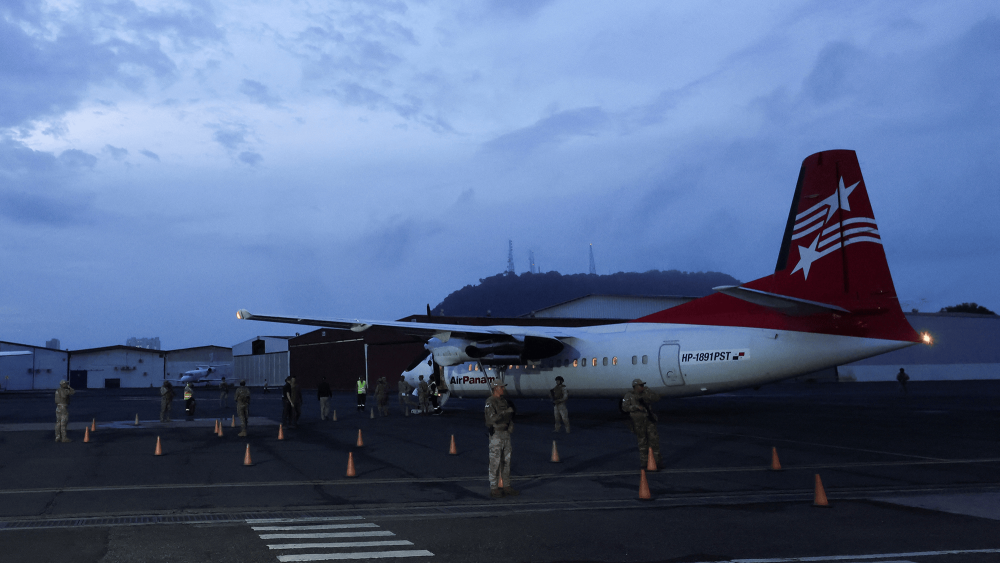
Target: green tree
(968,308)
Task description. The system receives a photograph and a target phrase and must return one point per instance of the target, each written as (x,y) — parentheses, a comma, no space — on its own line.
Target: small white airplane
(207,375)
(830,301)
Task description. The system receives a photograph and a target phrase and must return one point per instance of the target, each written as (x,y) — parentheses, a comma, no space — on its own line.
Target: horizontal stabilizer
(791,306)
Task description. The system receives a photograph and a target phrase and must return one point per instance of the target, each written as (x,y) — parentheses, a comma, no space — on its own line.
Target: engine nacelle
(460,350)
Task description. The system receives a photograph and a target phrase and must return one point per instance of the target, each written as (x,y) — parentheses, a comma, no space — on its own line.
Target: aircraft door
(670,367)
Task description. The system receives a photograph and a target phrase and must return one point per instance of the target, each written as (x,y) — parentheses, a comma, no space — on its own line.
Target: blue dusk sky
(165,163)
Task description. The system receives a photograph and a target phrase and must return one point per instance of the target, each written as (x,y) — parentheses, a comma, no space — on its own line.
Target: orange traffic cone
(246,457)
(233,424)
(350,465)
(644,486)
(159,449)
(86,434)
(819,498)
(775,464)
(555,453)
(361,443)
(220,429)
(93,425)
(137,419)
(335,416)
(453,450)
(281,432)
(216,431)
(500,482)
(651,463)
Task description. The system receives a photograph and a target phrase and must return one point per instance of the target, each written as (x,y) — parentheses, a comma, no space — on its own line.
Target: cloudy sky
(165,163)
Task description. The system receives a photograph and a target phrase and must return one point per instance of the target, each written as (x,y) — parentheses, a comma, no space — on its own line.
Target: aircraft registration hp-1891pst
(829,302)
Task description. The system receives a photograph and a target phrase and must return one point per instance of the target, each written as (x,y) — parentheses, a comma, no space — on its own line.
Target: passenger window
(645,359)
(635,360)
(614,361)
(595,361)
(574,363)
(583,362)
(605,361)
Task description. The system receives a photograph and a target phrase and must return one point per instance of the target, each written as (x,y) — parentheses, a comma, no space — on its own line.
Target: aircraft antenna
(593,267)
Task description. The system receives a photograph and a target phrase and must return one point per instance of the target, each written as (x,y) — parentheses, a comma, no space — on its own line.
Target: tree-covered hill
(506,295)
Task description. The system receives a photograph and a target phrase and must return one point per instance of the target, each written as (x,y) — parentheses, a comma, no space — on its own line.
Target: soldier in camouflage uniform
(423,395)
(642,420)
(382,396)
(63,394)
(559,396)
(166,400)
(405,399)
(243,406)
(500,421)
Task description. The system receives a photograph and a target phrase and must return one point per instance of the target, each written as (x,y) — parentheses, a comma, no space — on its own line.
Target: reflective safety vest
(362,387)
(188,394)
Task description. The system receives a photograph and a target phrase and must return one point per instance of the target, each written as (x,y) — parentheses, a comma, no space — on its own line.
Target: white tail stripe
(813,227)
(355,555)
(849,236)
(338,544)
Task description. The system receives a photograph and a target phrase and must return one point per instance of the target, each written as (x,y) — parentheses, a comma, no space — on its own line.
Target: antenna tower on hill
(593,267)
(510,257)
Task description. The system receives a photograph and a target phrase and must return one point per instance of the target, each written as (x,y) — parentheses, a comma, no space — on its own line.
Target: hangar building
(260,360)
(117,366)
(42,369)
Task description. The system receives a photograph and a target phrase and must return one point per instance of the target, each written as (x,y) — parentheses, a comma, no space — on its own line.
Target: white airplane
(830,301)
(207,374)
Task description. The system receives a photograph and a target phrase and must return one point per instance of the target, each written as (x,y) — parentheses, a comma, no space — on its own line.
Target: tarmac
(909,478)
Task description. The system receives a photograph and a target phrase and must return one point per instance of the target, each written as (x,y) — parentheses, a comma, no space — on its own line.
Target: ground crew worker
(423,392)
(189,402)
(295,398)
(243,406)
(166,400)
(362,393)
(500,422)
(286,401)
(223,393)
(642,420)
(405,396)
(382,397)
(323,393)
(63,394)
(559,396)
(902,378)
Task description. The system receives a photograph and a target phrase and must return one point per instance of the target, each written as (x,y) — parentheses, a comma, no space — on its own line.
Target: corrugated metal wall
(256,369)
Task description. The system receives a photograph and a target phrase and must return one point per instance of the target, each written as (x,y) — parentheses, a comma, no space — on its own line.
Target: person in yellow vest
(189,402)
(362,393)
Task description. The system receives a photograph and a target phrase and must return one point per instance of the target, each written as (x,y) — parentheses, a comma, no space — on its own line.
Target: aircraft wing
(424,331)
(16,353)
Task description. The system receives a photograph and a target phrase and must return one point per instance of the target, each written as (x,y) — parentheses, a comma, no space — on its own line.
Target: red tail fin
(831,276)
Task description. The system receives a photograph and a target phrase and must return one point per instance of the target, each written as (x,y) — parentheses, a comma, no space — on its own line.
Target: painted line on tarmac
(478,478)
(762,438)
(866,557)
(314,527)
(355,555)
(315,519)
(337,545)
(326,535)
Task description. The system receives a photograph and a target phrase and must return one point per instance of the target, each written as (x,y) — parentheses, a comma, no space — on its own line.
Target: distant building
(112,367)
(44,368)
(53,344)
(260,359)
(147,343)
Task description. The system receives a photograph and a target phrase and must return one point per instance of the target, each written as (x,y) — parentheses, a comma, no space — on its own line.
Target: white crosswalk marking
(342,544)
(316,529)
